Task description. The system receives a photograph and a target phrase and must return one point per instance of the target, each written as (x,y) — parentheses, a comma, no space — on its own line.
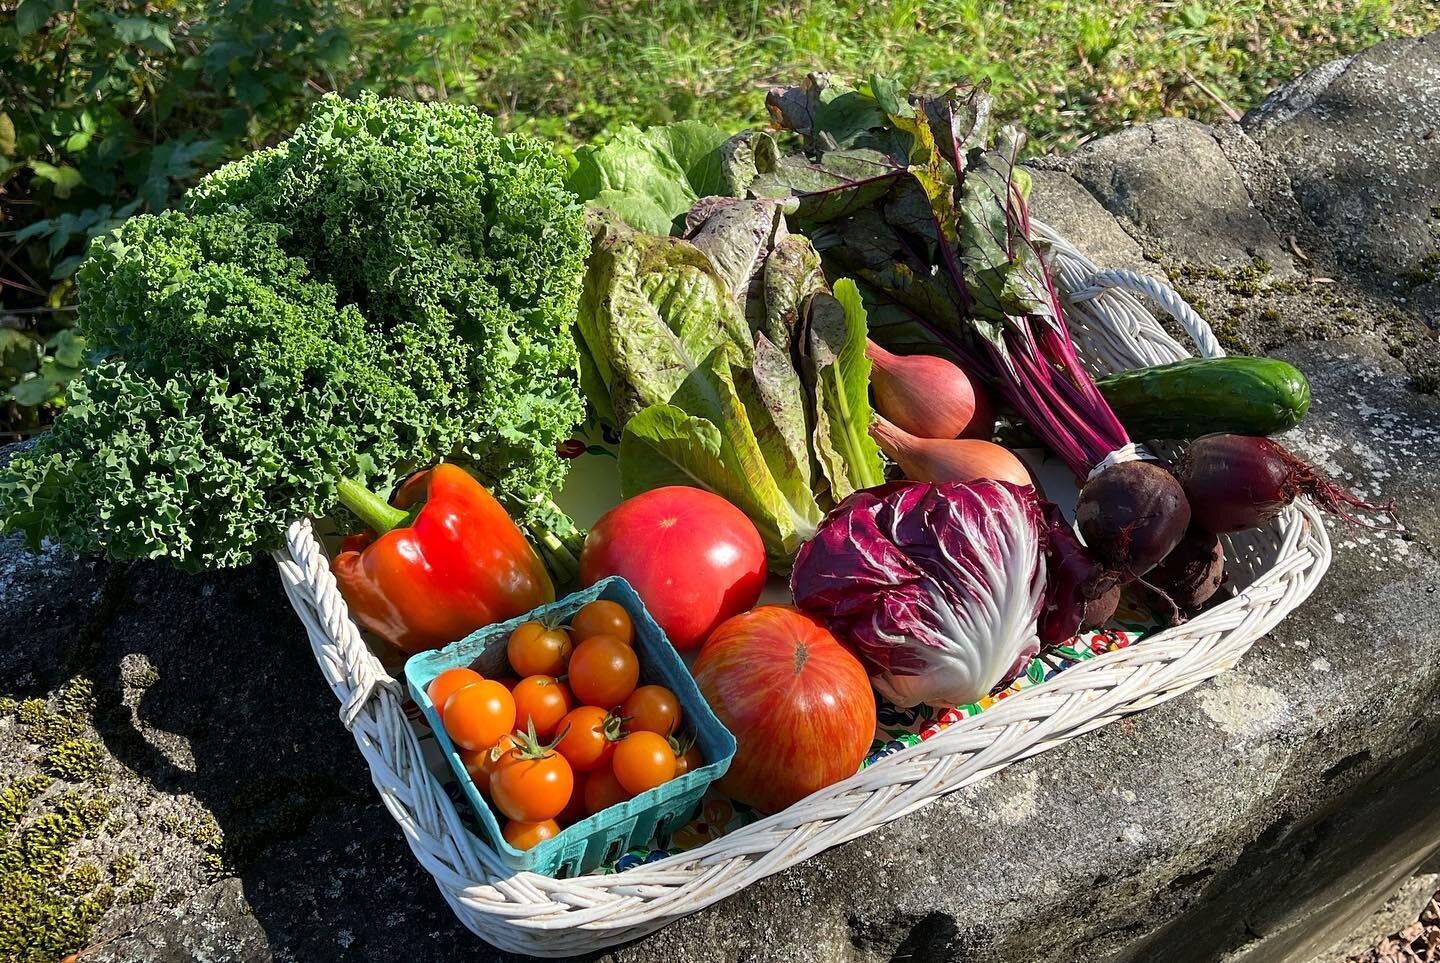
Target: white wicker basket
(1275,568)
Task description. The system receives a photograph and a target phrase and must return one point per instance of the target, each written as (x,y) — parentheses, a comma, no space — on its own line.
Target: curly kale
(393,284)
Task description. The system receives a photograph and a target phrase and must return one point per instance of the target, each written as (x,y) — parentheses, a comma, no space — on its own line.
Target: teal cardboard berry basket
(596,839)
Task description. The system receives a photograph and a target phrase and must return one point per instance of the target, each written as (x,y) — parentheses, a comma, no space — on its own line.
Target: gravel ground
(1417,943)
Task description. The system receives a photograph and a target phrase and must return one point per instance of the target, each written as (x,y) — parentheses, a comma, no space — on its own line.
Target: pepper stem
(377,514)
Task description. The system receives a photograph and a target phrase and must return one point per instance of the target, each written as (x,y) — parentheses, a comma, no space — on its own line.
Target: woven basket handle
(1195,326)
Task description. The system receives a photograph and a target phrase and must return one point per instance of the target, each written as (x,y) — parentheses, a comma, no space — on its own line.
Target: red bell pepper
(423,579)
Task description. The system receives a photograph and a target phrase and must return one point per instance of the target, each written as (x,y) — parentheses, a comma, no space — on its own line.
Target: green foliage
(392,284)
(111,108)
(1069,69)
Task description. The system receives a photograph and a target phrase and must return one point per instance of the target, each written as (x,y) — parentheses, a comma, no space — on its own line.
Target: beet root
(1132,515)
(1193,571)
(1080,593)
(1236,482)
(1101,608)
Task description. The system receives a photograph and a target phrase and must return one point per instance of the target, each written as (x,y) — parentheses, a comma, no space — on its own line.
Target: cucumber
(1199,396)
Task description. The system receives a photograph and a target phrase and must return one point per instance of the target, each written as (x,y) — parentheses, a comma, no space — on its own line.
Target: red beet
(1235,482)
(1193,571)
(1080,593)
(1132,515)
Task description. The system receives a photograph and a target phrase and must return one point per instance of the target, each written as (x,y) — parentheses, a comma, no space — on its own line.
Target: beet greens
(921,200)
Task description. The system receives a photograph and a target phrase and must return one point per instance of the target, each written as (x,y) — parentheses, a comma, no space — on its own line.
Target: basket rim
(537,914)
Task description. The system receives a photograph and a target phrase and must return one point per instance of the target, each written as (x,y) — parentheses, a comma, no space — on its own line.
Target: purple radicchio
(936,587)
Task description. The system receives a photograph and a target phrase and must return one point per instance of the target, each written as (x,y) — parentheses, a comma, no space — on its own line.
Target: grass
(574,69)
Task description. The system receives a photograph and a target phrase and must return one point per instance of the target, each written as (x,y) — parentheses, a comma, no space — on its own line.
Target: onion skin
(1193,571)
(1132,515)
(929,397)
(948,459)
(1237,482)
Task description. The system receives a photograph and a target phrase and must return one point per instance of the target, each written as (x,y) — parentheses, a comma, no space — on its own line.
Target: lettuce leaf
(840,371)
(651,309)
(704,440)
(775,404)
(651,177)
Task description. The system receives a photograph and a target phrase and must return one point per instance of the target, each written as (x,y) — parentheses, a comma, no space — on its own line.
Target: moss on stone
(75,760)
(1245,282)
(77,700)
(141,893)
(17,797)
(50,901)
(142,678)
(122,868)
(45,727)
(50,912)
(1428,270)
(1229,337)
(8,705)
(83,879)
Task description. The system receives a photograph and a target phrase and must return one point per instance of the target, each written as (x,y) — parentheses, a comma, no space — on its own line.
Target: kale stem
(378,515)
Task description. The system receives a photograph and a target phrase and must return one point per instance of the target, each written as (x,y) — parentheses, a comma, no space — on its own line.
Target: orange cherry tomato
(602,617)
(651,708)
(603,671)
(534,648)
(589,737)
(688,761)
(443,686)
(603,790)
(480,764)
(524,835)
(643,760)
(530,787)
(540,701)
(479,714)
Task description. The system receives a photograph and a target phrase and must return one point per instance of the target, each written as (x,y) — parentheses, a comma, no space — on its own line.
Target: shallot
(947,459)
(928,396)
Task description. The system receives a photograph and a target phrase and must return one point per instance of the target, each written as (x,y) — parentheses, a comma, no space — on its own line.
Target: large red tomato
(693,558)
(798,703)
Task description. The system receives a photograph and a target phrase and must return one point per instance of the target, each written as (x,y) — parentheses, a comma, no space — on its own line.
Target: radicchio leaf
(937,587)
